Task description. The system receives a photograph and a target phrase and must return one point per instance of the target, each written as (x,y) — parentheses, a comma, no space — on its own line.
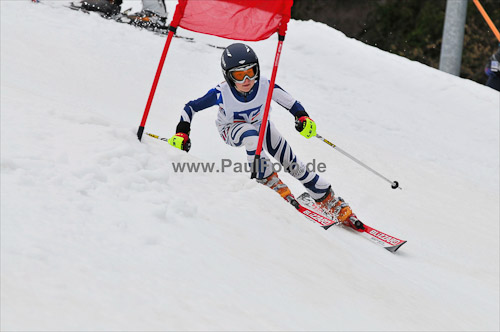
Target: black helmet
(235,56)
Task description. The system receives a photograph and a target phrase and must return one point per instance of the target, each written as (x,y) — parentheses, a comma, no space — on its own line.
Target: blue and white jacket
(235,107)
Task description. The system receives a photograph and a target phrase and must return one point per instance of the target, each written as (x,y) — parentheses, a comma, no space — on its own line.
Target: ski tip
(393,249)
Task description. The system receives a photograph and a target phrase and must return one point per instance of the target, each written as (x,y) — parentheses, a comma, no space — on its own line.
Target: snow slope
(99,233)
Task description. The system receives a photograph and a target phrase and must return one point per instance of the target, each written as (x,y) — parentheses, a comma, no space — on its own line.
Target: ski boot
(340,209)
(149,20)
(275,183)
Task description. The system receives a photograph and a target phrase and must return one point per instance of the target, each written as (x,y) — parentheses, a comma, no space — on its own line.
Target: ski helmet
(239,56)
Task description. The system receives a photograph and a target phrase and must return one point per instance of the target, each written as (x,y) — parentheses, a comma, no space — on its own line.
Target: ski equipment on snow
(338,209)
(307,206)
(384,240)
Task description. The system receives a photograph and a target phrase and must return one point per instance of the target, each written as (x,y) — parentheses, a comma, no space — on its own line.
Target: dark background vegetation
(410,28)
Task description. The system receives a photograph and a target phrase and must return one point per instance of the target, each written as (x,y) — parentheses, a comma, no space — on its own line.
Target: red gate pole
(171,33)
(256,161)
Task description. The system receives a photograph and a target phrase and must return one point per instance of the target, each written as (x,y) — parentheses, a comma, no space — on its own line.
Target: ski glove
(305,125)
(181,139)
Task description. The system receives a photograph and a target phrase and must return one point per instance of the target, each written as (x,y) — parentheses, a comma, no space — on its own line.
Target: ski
(387,241)
(146,23)
(306,205)
(77,7)
(312,214)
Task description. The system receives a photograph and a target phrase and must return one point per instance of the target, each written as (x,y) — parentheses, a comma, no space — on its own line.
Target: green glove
(306,126)
(180,141)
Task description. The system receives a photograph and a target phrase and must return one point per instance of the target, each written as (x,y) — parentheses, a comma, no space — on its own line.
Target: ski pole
(157,137)
(394,184)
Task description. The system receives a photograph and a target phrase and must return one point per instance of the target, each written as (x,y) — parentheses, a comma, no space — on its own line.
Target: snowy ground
(98,233)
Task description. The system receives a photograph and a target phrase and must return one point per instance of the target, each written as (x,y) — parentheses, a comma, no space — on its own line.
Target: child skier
(241,99)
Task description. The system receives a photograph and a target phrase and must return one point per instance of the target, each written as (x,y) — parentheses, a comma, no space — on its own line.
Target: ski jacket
(236,107)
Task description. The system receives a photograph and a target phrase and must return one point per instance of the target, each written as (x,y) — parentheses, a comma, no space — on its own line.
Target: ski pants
(247,135)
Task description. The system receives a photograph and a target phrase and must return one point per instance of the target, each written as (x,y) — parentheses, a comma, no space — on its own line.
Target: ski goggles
(240,74)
